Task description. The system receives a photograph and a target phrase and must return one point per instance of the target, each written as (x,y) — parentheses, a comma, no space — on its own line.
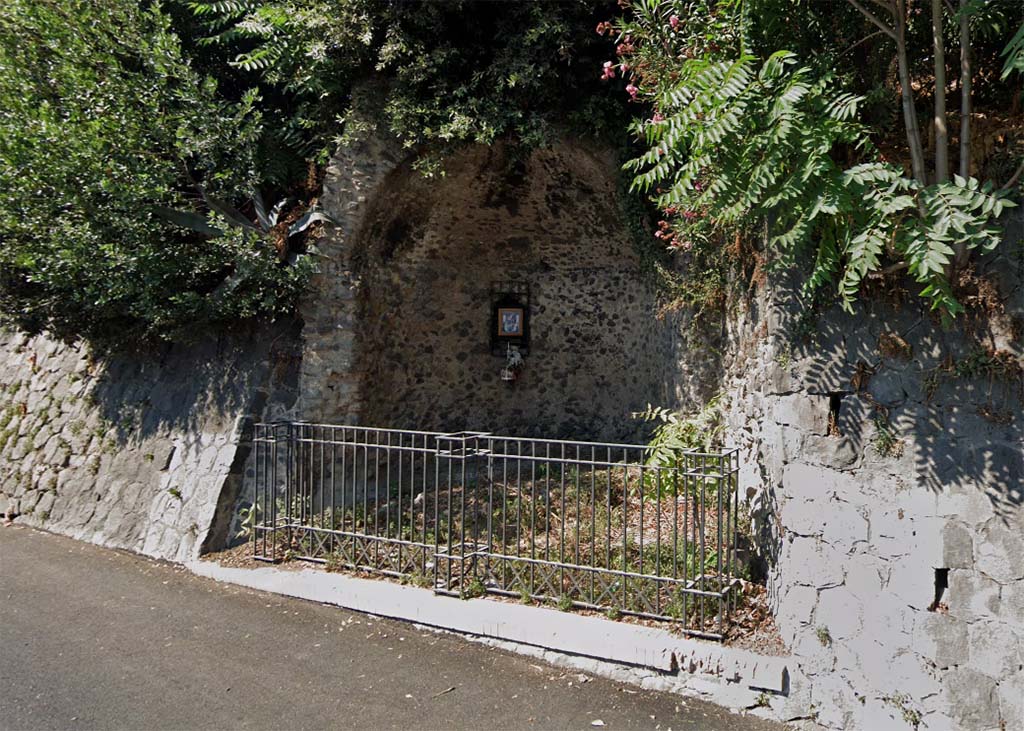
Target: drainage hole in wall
(835,403)
(941,584)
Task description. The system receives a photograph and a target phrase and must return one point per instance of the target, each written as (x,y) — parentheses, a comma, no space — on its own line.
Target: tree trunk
(965,92)
(965,110)
(941,133)
(909,112)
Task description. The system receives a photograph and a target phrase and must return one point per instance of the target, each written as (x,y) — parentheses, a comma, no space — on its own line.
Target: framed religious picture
(510,322)
(510,317)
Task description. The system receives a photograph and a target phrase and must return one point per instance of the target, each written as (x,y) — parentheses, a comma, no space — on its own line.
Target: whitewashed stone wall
(917,481)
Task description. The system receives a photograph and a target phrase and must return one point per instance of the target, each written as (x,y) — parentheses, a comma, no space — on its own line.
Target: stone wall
(431,252)
(398,321)
(141,453)
(884,457)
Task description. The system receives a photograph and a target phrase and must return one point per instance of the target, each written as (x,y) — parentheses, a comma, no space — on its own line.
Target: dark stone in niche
(518,243)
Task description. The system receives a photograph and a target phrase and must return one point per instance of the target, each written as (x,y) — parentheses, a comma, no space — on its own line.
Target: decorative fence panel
(580,524)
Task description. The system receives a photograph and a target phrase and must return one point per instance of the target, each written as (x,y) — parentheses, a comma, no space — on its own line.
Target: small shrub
(902,701)
(886,442)
(823,636)
(474,589)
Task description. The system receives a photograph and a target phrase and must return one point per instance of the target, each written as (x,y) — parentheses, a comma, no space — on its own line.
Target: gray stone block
(840,611)
(886,387)
(812,562)
(836,452)
(1012,603)
(972,699)
(1000,552)
(809,412)
(972,596)
(957,546)
(995,649)
(942,639)
(1011,699)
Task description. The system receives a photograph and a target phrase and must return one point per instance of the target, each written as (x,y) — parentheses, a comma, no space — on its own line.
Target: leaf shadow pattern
(195,388)
(951,397)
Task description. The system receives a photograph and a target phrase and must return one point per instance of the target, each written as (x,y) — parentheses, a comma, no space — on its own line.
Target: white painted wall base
(649,657)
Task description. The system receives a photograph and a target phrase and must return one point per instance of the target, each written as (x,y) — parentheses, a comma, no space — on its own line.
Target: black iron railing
(579,524)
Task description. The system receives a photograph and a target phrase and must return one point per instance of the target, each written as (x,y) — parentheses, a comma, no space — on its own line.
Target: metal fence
(579,524)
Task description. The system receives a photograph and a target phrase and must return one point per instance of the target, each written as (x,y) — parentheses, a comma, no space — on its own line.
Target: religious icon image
(510,321)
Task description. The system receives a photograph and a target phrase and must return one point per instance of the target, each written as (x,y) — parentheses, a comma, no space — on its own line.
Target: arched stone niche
(420,260)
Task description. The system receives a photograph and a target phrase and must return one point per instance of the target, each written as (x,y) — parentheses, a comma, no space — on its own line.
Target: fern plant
(676,433)
(738,141)
(1014,53)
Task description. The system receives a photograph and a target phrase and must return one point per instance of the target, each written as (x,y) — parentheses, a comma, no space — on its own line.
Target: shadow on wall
(186,389)
(431,255)
(912,403)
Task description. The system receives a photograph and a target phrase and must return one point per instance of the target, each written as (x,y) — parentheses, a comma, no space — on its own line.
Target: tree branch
(899,266)
(865,39)
(1013,180)
(873,18)
(887,5)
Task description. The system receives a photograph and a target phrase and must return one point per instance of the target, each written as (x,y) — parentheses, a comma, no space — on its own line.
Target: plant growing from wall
(886,441)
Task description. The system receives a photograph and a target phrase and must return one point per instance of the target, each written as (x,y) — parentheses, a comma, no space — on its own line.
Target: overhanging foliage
(103,125)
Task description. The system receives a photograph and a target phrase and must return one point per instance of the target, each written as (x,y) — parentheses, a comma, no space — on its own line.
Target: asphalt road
(97,639)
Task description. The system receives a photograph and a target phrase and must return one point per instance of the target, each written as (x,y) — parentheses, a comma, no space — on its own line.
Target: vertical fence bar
(593,520)
(561,520)
(462,519)
(626,527)
(657,539)
(398,509)
(332,547)
(719,547)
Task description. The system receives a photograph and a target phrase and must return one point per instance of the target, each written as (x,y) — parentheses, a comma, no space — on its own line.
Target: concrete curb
(534,627)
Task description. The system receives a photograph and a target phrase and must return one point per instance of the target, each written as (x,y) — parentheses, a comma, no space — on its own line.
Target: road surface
(92,638)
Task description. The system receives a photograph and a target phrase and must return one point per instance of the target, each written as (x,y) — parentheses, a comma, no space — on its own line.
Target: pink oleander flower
(674,21)
(657,117)
(609,71)
(632,91)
